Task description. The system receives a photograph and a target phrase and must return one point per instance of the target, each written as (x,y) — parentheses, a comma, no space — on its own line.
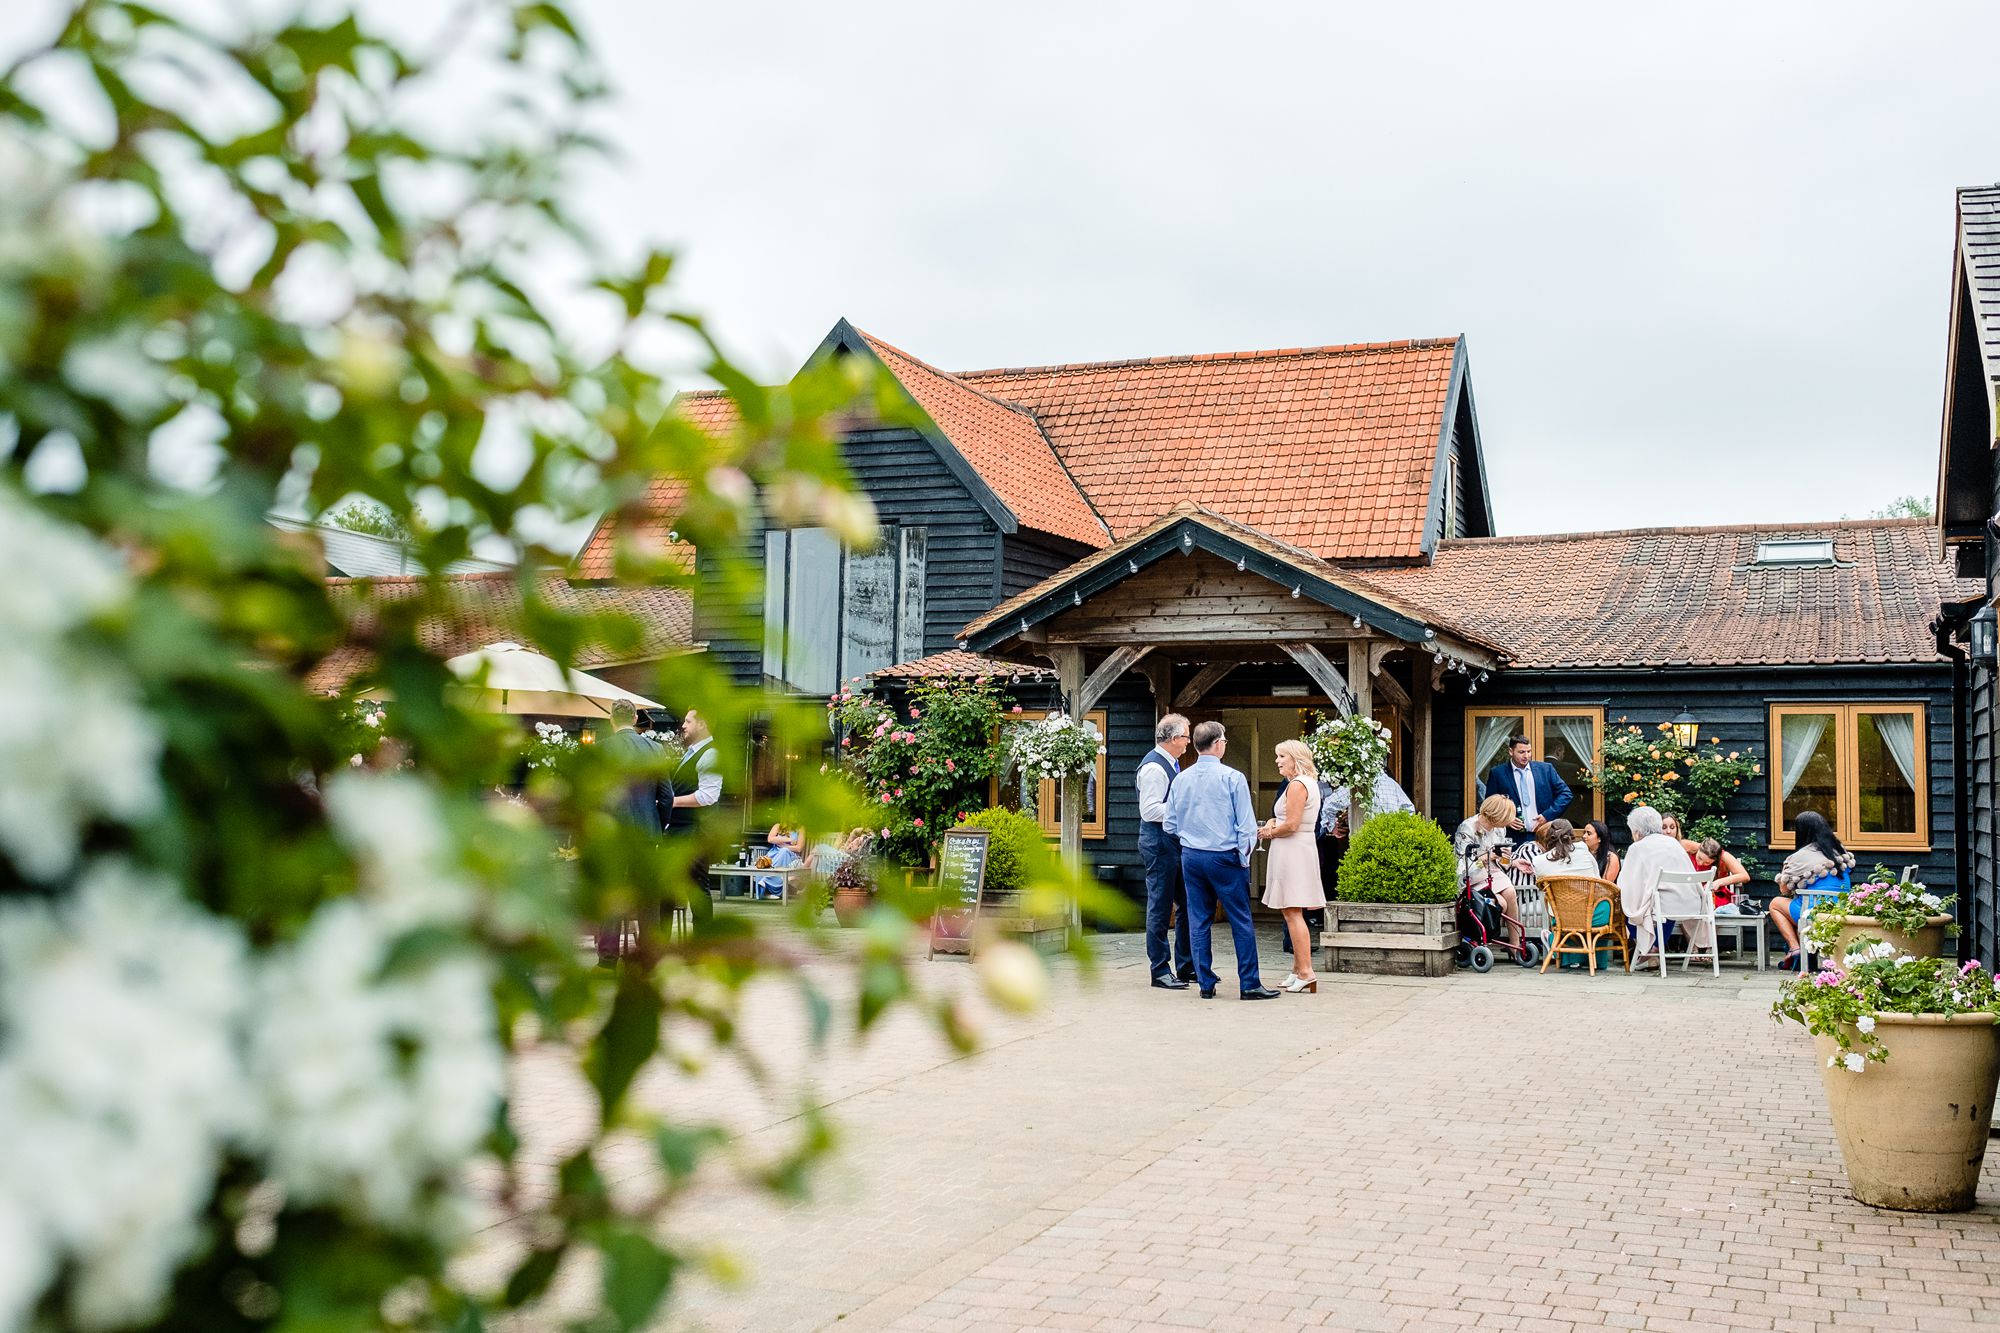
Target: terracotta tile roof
(1329,449)
(1003,444)
(1691,596)
(469,611)
(1368,585)
(712,411)
(965,666)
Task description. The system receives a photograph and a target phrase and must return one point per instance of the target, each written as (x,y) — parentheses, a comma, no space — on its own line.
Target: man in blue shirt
(1210,815)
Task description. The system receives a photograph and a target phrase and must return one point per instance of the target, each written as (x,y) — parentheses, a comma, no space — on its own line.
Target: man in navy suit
(1538,792)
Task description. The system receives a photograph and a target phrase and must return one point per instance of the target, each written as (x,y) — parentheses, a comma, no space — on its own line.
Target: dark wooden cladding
(1734,706)
(1027,558)
(910,486)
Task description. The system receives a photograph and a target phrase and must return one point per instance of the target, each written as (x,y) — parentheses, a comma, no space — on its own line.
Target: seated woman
(1820,864)
(1484,844)
(1651,855)
(1730,876)
(787,849)
(1597,840)
(1557,852)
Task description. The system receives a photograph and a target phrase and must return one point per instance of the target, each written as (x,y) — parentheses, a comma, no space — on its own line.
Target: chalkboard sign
(961,881)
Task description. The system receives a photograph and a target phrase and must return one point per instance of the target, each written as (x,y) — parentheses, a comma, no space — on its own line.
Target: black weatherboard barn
(1259,536)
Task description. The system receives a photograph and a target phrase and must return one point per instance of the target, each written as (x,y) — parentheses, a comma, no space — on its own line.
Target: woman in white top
(1291,876)
(1558,852)
(1485,852)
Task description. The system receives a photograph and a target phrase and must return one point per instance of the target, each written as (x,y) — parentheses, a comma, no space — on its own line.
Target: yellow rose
(1629,796)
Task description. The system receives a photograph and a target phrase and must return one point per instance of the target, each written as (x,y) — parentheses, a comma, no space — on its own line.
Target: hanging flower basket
(1350,752)
(1056,747)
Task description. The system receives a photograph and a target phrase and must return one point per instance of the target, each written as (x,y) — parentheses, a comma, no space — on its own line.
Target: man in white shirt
(697,779)
(1161,853)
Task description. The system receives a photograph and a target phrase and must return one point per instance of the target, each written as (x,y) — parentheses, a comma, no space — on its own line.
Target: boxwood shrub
(1399,858)
(1015,848)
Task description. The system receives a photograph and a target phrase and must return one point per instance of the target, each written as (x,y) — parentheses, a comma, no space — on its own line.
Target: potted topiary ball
(1397,912)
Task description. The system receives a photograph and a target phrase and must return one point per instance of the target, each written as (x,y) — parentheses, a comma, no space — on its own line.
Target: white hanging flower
(1854,1061)
(394,826)
(1866,1023)
(120,1084)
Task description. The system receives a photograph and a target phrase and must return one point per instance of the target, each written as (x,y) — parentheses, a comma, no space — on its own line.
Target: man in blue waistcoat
(1161,852)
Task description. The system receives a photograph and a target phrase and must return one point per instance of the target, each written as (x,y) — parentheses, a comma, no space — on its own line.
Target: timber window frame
(1535,718)
(1048,798)
(1846,726)
(833,613)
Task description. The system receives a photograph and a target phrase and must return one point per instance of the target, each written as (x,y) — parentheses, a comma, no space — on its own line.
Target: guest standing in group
(1538,792)
(1820,865)
(1597,841)
(1291,875)
(1166,895)
(1651,854)
(693,786)
(1209,813)
(636,807)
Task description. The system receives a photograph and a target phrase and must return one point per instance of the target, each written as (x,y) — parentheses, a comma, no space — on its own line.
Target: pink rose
(885,833)
(846,741)
(914,715)
(951,766)
(918,822)
(885,798)
(1017,708)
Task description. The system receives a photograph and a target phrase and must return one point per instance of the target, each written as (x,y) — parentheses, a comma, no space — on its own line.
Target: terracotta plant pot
(849,904)
(1913,1130)
(1926,943)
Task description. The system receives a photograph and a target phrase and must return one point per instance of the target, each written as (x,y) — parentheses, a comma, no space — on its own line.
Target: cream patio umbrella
(520,680)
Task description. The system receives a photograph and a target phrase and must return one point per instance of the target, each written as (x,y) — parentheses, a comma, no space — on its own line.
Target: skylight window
(1795,551)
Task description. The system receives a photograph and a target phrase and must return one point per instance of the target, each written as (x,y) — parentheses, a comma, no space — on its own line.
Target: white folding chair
(1810,901)
(1684,896)
(1909,874)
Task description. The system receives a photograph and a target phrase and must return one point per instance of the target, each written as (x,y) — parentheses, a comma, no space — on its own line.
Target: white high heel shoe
(1295,985)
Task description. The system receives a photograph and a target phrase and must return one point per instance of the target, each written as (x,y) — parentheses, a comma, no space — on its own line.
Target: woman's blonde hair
(1301,757)
(1497,810)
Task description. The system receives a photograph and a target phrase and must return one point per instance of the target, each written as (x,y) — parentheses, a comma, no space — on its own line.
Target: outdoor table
(783,874)
(1738,924)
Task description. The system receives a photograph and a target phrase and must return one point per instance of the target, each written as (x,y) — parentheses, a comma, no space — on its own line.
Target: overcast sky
(1701,252)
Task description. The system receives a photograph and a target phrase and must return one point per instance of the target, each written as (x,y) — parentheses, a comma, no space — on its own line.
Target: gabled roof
(1334,450)
(1694,597)
(1190,527)
(1002,444)
(469,611)
(1972,370)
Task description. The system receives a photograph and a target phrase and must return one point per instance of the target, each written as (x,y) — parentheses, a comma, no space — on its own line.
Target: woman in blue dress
(1820,866)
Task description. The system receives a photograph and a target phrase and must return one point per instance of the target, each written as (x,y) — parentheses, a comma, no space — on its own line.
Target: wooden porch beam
(1204,680)
(1108,671)
(1313,662)
(1159,674)
(1392,690)
(1420,716)
(1069,679)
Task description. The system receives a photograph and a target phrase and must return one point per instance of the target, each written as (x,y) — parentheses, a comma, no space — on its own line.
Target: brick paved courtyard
(1514,1151)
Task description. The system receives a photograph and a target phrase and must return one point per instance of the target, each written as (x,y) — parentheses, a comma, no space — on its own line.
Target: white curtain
(1899,737)
(1580,735)
(1798,737)
(1489,742)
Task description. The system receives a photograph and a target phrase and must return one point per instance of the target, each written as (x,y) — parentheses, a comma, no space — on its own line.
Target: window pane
(1808,766)
(1489,744)
(1885,752)
(774,603)
(870,614)
(812,652)
(1569,743)
(910,594)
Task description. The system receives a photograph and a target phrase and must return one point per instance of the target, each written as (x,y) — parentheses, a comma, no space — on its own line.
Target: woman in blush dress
(1291,877)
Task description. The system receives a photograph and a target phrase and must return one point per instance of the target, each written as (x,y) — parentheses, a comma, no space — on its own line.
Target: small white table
(783,874)
(1739,924)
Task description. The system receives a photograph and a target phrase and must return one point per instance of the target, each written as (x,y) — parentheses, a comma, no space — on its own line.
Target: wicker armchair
(1573,901)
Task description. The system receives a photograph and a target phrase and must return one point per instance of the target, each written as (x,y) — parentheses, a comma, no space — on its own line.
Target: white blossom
(1866,1023)
(393,824)
(1854,1061)
(374,1087)
(120,1085)
(75,743)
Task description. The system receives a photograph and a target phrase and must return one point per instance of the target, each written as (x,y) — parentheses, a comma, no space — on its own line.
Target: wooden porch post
(1359,683)
(1069,680)
(1420,717)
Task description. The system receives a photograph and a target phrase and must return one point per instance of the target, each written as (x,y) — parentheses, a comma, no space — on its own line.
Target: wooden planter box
(1393,939)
